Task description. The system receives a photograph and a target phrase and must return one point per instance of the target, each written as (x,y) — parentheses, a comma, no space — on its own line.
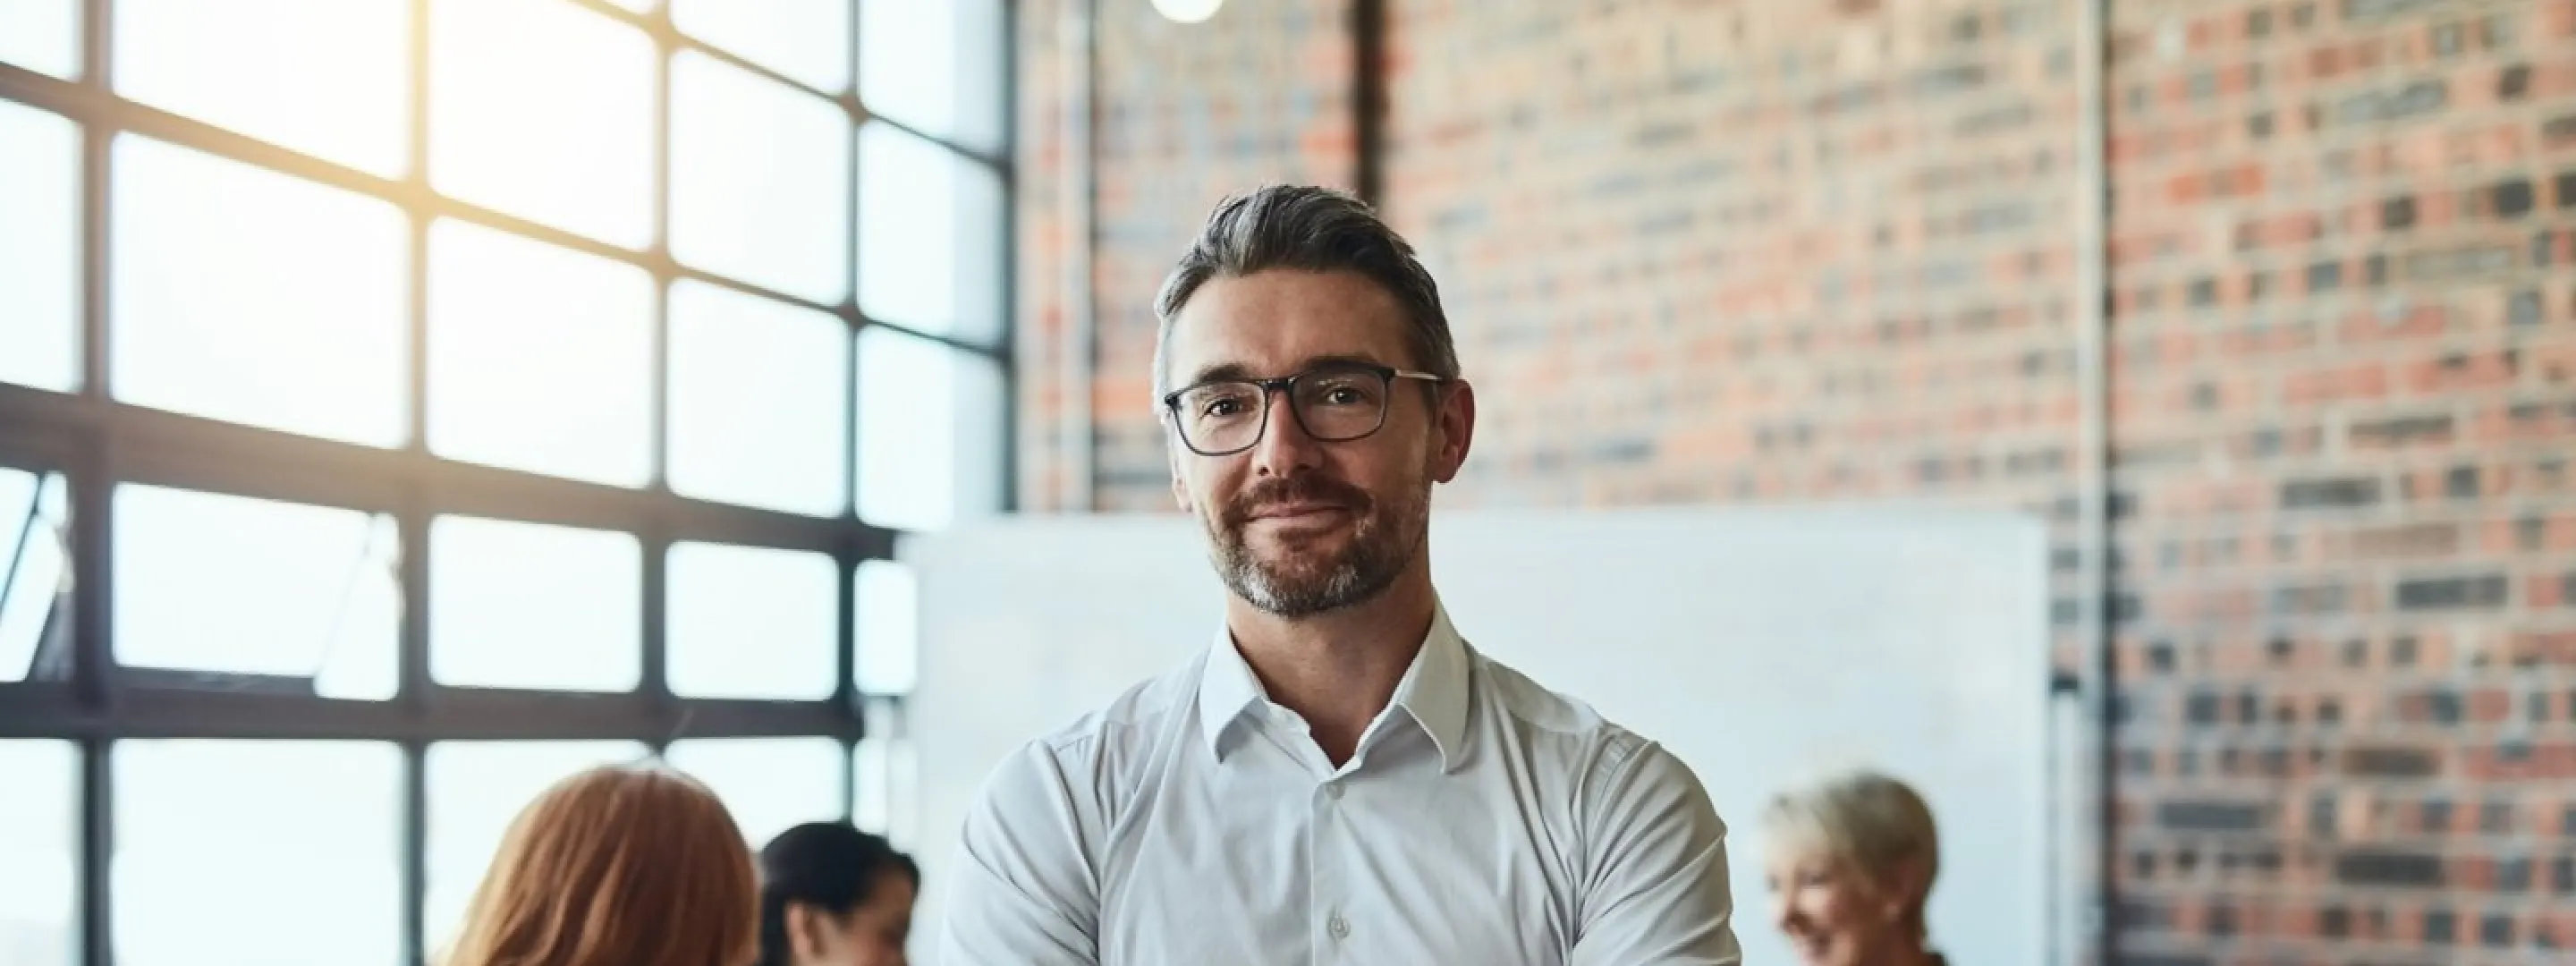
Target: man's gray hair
(1310,229)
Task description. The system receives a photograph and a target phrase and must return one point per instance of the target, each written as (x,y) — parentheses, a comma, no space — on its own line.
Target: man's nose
(1285,448)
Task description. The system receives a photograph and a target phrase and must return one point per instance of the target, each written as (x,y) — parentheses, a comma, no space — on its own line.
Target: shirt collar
(1433,691)
(1226,690)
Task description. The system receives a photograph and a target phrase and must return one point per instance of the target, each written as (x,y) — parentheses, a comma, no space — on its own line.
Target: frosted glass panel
(43,36)
(40,243)
(934,65)
(284,852)
(207,582)
(889,637)
(540,358)
(245,295)
(329,78)
(760,180)
(35,541)
(930,237)
(884,774)
(769,784)
(759,402)
(524,605)
(40,842)
(748,622)
(544,110)
(929,431)
(808,41)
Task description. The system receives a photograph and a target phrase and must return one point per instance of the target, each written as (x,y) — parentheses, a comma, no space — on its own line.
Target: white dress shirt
(1484,821)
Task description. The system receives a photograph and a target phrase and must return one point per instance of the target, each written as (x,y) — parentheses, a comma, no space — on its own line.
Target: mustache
(1295,489)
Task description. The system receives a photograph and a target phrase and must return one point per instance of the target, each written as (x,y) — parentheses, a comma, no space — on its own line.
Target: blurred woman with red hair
(616,866)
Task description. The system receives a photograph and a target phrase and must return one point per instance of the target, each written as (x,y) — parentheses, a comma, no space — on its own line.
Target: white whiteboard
(1761,646)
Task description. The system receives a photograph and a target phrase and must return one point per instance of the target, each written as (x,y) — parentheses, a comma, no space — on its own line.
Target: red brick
(1530,184)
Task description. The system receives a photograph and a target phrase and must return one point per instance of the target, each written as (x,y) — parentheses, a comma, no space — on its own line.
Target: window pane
(230,584)
(40,233)
(275,852)
(769,784)
(929,431)
(889,638)
(39,853)
(525,605)
(43,36)
(747,622)
(759,393)
(245,295)
(473,790)
(883,776)
(759,180)
(935,65)
(540,358)
(330,78)
(35,569)
(930,232)
(544,110)
(806,40)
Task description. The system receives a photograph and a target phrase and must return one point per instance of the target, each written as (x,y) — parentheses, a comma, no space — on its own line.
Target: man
(1339,777)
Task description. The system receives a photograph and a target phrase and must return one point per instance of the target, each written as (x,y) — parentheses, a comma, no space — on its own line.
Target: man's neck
(1338,669)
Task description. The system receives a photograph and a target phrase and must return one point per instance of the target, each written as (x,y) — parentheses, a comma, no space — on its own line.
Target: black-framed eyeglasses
(1333,403)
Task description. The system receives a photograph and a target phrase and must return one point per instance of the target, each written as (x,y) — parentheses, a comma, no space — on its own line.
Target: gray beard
(1380,549)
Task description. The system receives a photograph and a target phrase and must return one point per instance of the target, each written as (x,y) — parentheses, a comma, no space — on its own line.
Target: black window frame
(97,442)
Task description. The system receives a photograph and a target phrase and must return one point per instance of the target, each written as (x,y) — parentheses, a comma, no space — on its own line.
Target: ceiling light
(1188,11)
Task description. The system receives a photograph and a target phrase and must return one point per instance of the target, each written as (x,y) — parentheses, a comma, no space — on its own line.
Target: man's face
(1298,526)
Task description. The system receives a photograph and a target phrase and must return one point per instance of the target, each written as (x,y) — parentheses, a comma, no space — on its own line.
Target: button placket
(1326,842)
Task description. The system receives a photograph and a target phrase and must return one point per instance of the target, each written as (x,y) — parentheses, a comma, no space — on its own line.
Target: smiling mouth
(1299,513)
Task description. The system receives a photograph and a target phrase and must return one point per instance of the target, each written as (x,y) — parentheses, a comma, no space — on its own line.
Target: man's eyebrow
(1220,372)
(1238,372)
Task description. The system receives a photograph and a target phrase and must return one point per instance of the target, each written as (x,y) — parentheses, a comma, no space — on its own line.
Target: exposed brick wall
(1186,114)
(1718,251)
(2345,371)
(1044,234)
(1710,251)
(1713,252)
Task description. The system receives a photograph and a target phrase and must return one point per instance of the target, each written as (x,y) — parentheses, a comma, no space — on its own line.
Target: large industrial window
(404,403)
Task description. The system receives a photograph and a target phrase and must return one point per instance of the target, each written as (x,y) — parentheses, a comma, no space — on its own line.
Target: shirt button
(1333,790)
(1340,927)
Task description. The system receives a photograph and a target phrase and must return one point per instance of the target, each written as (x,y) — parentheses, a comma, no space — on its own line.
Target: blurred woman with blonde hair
(1850,868)
(616,866)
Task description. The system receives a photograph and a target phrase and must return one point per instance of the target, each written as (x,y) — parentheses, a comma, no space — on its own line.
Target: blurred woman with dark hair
(831,895)
(616,866)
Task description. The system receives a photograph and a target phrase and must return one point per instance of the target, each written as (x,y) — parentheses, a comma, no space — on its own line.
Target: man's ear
(1456,420)
(1172,449)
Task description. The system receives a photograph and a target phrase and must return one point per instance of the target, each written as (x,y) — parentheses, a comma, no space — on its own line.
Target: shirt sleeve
(1656,892)
(1022,890)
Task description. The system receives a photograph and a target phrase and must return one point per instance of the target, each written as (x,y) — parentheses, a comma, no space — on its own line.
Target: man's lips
(1297,512)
